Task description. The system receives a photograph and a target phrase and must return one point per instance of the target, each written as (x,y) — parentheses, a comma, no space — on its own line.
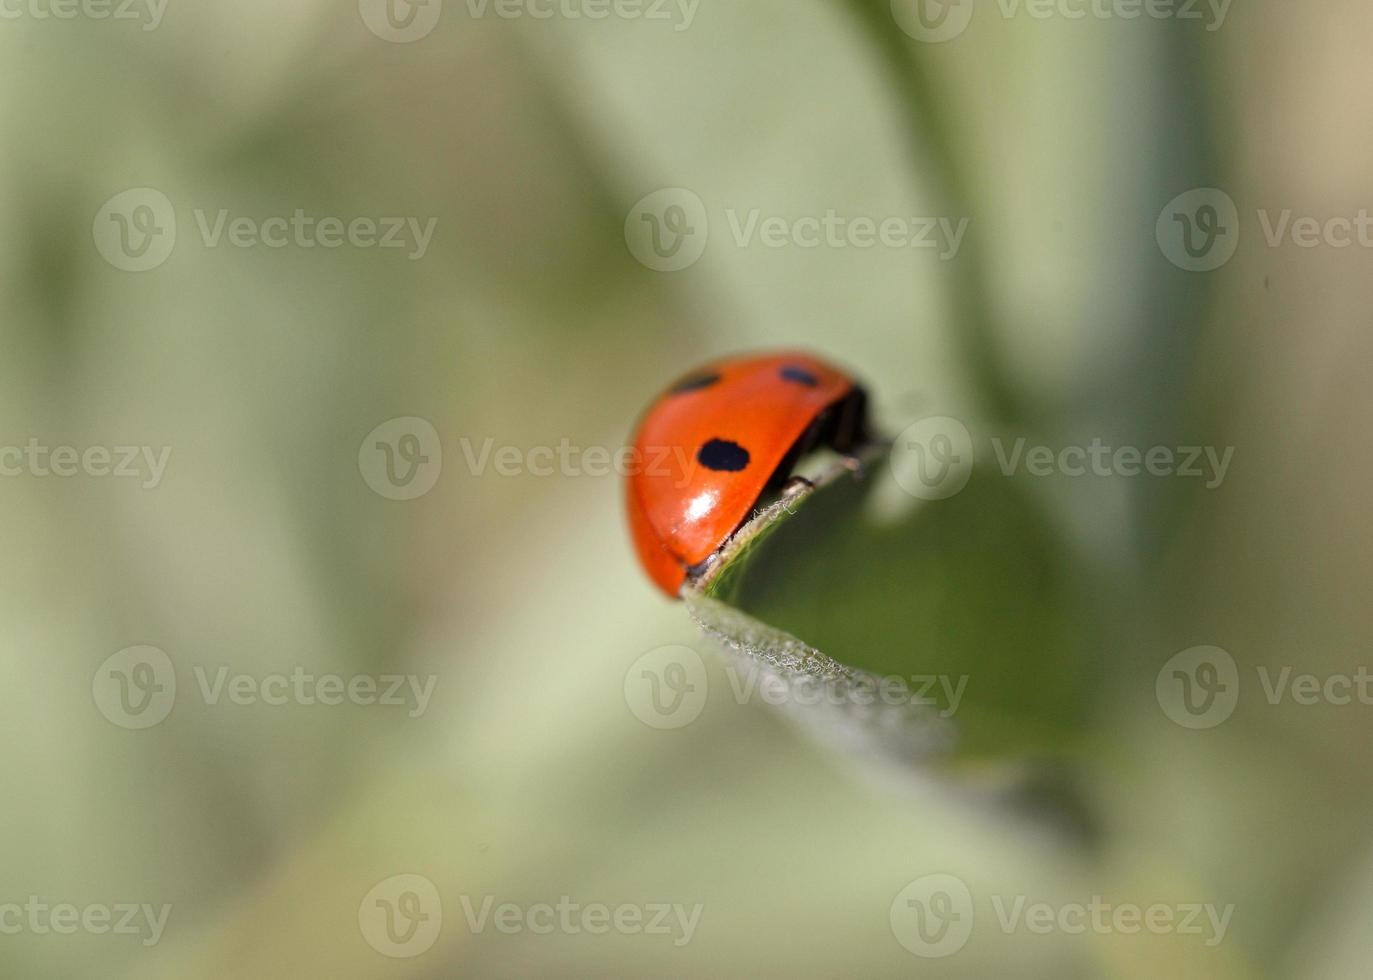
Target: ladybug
(722,438)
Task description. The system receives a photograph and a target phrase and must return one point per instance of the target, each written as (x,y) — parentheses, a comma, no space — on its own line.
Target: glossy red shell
(706,449)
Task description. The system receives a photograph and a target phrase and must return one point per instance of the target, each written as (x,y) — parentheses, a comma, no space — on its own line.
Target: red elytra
(725,435)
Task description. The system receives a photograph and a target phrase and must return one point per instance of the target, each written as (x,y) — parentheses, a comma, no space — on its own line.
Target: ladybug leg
(850,428)
(797,484)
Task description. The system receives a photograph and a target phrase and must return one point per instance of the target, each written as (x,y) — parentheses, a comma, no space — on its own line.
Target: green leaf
(969,602)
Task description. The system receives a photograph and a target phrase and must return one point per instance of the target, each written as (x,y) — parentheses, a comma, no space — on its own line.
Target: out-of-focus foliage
(527,322)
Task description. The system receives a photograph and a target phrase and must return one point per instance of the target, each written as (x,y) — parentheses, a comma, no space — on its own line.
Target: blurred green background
(272,546)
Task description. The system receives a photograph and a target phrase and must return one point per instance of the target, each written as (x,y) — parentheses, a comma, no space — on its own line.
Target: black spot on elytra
(800,375)
(723,456)
(694,382)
